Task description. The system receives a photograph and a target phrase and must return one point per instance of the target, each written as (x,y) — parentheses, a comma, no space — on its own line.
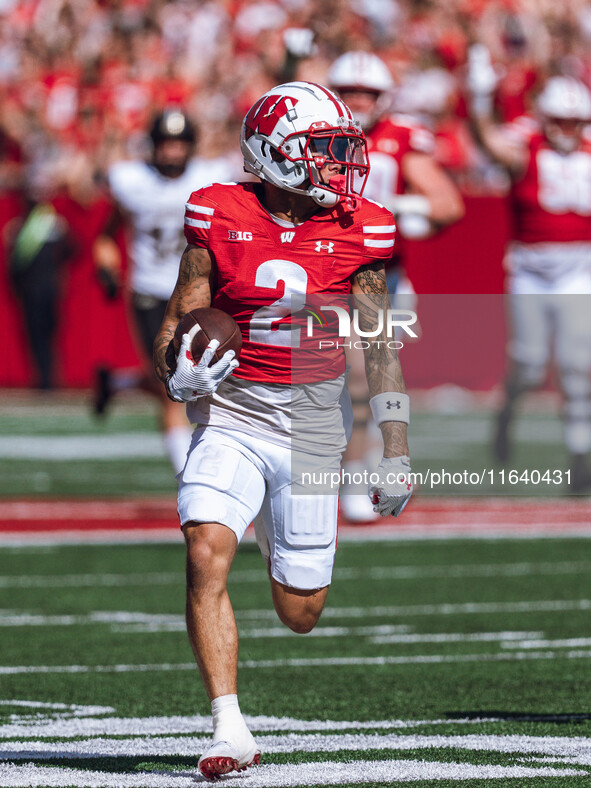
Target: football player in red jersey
(404,175)
(254,248)
(549,258)
(408,181)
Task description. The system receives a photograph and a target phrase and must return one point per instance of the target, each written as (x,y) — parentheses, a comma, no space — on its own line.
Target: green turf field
(435,660)
(52,446)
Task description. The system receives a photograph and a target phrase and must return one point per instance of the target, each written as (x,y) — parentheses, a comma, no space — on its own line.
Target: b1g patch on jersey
(239,235)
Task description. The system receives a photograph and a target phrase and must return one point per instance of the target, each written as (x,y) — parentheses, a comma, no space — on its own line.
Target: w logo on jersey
(287,238)
(266,114)
(324,246)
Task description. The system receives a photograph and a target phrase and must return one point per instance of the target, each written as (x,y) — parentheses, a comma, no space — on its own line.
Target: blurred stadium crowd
(80,79)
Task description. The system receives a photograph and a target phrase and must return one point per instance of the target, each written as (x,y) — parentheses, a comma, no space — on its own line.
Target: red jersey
(514,89)
(552,200)
(387,144)
(266,271)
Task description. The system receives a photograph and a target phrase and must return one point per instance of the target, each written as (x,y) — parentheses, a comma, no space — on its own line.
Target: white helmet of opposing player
(294,131)
(363,71)
(564,106)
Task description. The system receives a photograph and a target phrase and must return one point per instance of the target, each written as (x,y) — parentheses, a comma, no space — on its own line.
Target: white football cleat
(223,756)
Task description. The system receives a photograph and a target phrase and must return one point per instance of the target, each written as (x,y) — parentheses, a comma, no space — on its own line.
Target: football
(213,324)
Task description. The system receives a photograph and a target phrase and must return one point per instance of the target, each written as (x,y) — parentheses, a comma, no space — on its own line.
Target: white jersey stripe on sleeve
(197,223)
(390,228)
(199,209)
(378,244)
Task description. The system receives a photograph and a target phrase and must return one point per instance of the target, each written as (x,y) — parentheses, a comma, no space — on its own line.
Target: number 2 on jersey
(295,281)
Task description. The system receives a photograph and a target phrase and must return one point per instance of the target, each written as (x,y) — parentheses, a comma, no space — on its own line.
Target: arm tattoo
(192,291)
(382,365)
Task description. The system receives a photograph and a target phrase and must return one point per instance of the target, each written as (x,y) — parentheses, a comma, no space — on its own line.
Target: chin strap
(328,199)
(323,197)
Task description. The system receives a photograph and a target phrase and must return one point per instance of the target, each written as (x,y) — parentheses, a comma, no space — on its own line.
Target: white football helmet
(358,70)
(293,131)
(564,99)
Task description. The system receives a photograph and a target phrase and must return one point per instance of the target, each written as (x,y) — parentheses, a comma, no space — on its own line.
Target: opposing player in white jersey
(260,251)
(150,196)
(549,258)
(406,179)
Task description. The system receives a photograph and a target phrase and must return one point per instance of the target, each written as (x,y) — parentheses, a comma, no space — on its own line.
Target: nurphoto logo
(390,322)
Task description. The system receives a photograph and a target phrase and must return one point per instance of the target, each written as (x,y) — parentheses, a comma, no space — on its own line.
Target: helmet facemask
(334,160)
(300,137)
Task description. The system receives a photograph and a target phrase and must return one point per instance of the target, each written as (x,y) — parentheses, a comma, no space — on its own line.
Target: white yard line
(562,643)
(49,727)
(93,580)
(175,622)
(340,573)
(61,708)
(576,749)
(278,776)
(456,637)
(445,609)
(416,659)
(465,570)
(62,448)
(13,618)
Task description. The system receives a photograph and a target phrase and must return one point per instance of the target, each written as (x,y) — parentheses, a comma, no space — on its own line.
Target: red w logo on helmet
(266,114)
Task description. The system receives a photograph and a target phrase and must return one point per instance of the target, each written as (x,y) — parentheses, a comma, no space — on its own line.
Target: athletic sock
(177,441)
(228,721)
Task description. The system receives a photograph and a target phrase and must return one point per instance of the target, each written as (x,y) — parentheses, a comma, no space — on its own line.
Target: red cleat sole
(215,767)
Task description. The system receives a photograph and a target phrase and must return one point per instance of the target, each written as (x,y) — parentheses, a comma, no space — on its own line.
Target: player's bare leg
(212,631)
(298,609)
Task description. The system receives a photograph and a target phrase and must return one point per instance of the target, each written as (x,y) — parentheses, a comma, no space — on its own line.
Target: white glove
(482,77)
(394,488)
(190,381)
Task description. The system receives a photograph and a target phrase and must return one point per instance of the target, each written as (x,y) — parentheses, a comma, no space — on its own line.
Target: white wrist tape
(390,406)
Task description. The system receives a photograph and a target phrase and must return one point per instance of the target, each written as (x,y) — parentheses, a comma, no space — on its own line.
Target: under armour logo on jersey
(396,404)
(287,238)
(322,246)
(239,235)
